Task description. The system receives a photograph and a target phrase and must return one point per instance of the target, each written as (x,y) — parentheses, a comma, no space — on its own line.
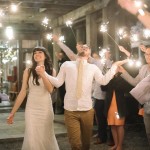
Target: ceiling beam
(80,12)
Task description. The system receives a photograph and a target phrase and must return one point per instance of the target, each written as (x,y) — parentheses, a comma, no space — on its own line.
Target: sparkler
(102,54)
(122,33)
(146,33)
(104,29)
(45,22)
(62,39)
(69,24)
(49,37)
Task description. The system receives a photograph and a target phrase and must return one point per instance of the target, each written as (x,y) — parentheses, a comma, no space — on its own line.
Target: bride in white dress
(39,116)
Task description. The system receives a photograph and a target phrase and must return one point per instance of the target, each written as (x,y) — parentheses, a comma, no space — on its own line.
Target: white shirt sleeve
(59,80)
(71,55)
(104,79)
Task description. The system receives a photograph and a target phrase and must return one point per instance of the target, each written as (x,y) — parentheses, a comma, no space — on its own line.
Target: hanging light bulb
(14,7)
(9,32)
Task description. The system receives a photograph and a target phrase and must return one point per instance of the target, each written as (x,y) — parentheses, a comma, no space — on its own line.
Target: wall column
(80,34)
(56,48)
(91,31)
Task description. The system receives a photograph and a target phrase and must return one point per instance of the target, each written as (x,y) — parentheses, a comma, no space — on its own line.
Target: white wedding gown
(39,117)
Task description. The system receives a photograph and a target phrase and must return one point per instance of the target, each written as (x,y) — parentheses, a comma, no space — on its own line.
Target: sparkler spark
(104,28)
(49,37)
(62,39)
(45,22)
(122,33)
(69,23)
(146,33)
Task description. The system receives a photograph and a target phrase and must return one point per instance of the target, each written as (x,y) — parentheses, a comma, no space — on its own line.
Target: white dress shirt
(97,92)
(68,74)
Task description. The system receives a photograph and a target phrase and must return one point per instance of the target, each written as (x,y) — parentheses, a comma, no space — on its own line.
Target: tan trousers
(79,126)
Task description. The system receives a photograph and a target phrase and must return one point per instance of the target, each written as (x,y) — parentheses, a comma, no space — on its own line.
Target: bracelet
(140,12)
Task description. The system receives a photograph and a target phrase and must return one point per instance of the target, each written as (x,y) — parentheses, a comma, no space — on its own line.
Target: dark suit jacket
(120,86)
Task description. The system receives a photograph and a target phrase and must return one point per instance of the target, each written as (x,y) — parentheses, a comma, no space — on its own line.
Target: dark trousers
(102,121)
(79,126)
(62,92)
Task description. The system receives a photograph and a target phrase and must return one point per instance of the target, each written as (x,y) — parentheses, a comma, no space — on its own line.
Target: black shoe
(98,141)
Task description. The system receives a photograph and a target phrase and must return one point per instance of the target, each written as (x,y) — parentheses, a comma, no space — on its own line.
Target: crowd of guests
(111,82)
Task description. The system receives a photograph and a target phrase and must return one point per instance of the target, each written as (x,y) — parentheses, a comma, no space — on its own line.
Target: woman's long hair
(47,63)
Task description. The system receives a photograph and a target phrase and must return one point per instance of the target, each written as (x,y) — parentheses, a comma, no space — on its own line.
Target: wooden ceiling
(34,11)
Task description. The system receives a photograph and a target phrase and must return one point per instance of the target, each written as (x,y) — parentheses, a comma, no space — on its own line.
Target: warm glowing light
(103,27)
(1,25)
(122,33)
(49,37)
(138,3)
(134,37)
(5,61)
(1,13)
(29,62)
(146,33)
(45,22)
(131,62)
(9,32)
(14,58)
(1,72)
(14,7)
(69,23)
(138,63)
(62,38)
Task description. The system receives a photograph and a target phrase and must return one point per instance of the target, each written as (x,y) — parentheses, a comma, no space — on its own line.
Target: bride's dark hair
(47,63)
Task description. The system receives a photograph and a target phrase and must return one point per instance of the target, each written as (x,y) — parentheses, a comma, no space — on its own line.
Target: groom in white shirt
(78,78)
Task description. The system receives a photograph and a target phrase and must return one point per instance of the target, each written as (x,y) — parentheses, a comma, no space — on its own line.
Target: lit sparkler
(49,37)
(104,29)
(62,39)
(122,33)
(45,22)
(69,24)
(146,33)
(134,37)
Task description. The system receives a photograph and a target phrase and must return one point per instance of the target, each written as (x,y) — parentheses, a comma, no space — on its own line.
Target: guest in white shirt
(78,107)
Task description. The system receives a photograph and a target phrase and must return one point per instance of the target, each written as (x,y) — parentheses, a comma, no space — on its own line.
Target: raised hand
(40,70)
(55,38)
(143,48)
(128,5)
(122,49)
